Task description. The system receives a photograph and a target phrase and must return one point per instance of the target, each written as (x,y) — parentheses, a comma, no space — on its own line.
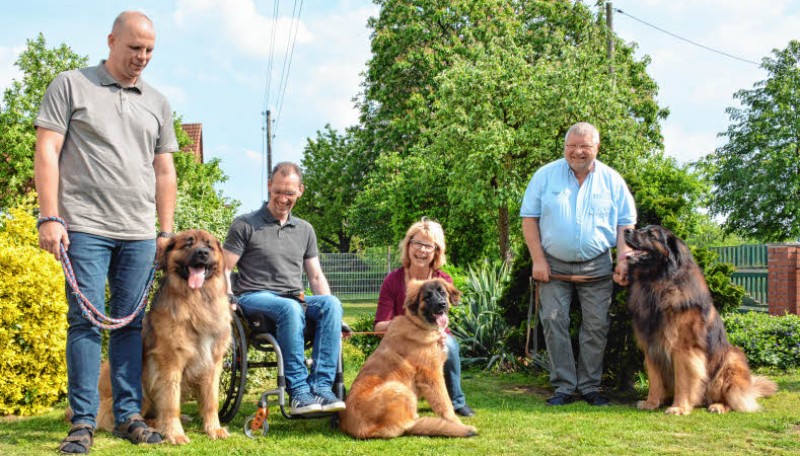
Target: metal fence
(751,271)
(357,277)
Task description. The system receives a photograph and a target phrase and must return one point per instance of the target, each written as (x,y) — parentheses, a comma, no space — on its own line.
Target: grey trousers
(595,298)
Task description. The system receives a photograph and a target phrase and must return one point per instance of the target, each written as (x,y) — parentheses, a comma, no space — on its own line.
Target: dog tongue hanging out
(196,277)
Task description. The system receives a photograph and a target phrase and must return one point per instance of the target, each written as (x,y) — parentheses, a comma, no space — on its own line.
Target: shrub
(33,325)
(767,340)
(478,323)
(366,343)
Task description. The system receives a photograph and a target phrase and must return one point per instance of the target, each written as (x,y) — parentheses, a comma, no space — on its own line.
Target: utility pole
(269,148)
(610,42)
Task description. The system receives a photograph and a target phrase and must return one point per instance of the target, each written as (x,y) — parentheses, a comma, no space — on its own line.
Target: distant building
(195,132)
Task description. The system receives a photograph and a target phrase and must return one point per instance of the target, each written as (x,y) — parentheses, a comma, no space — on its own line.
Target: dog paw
(218,433)
(644,405)
(472,431)
(678,411)
(177,439)
(717,408)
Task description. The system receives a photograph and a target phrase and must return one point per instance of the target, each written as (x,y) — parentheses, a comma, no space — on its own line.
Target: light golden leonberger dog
(382,402)
(185,334)
(686,352)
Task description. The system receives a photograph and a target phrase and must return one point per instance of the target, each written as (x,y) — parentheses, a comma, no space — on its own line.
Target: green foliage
(39,65)
(478,323)
(33,327)
(367,343)
(756,175)
(199,204)
(464,100)
(768,341)
(335,167)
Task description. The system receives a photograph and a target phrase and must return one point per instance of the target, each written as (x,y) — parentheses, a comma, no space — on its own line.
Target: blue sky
(212,57)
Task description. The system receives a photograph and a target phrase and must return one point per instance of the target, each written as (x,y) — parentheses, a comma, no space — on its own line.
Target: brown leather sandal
(136,431)
(79,439)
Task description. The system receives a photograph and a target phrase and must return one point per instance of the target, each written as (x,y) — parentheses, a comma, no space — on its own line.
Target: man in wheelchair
(271,247)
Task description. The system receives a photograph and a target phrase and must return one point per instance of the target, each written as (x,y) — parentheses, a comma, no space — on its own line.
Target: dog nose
(202,253)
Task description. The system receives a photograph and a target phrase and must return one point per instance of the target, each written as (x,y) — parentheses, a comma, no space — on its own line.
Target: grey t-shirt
(111,135)
(271,256)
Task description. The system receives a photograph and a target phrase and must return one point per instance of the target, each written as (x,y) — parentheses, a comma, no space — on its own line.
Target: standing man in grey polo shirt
(271,247)
(103,165)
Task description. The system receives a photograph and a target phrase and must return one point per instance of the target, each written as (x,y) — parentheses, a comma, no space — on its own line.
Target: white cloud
(253,156)
(8,71)
(688,146)
(244,27)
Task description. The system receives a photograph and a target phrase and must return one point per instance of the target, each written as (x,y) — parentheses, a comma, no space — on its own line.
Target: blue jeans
(126,266)
(325,313)
(452,373)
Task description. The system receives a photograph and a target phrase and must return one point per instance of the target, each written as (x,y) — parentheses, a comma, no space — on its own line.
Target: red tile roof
(195,132)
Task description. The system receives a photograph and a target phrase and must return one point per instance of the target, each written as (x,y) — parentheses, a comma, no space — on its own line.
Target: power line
(288,67)
(686,40)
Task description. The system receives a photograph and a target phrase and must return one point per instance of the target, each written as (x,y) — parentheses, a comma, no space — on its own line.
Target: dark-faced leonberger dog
(185,335)
(382,402)
(686,351)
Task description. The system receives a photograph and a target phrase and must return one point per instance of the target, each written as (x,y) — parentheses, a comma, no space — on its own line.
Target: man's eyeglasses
(424,246)
(579,146)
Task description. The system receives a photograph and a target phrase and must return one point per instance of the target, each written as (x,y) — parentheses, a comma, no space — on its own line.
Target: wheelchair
(256,332)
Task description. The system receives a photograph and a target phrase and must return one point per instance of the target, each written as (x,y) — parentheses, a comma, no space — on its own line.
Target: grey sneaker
(304,403)
(329,402)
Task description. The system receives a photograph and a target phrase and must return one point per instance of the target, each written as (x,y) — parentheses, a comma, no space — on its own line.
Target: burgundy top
(393,294)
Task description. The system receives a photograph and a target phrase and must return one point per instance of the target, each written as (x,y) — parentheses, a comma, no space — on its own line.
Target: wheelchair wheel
(234,373)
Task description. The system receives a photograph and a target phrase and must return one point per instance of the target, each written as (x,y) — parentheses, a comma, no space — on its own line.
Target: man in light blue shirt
(574,211)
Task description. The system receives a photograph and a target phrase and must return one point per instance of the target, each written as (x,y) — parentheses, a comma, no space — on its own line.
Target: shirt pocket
(601,207)
(555,203)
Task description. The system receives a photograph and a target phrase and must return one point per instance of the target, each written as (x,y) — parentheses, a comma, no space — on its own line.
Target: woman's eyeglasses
(423,246)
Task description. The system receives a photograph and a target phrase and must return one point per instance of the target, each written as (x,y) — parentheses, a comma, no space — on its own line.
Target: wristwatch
(165,234)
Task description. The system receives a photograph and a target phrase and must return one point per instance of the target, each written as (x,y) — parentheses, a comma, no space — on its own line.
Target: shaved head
(126,16)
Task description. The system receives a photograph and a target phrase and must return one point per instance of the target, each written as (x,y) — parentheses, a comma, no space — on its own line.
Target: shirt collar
(270,219)
(106,79)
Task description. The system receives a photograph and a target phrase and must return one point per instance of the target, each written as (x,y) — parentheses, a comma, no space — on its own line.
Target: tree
(334,169)
(39,65)
(199,203)
(483,99)
(756,175)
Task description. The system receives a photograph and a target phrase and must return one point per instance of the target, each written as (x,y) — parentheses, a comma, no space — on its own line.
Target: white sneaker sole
(334,407)
(305,410)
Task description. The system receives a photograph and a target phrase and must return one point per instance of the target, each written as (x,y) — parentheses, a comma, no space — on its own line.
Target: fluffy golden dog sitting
(382,402)
(185,334)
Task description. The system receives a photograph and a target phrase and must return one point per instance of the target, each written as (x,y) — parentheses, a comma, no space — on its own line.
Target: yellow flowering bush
(33,323)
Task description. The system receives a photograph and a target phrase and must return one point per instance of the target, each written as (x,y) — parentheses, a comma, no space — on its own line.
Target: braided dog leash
(90,312)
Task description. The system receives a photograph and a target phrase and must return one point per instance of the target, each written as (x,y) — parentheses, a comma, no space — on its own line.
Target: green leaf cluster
(756,175)
(464,100)
(39,65)
(767,340)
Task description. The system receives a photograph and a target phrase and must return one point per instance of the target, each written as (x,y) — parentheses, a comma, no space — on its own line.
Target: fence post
(784,277)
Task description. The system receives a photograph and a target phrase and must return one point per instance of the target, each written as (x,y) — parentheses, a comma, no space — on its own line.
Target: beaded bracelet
(50,219)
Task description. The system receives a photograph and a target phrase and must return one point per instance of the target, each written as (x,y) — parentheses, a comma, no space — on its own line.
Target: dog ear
(413,297)
(161,261)
(453,293)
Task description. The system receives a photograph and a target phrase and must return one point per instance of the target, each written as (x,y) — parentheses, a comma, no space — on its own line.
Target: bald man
(103,164)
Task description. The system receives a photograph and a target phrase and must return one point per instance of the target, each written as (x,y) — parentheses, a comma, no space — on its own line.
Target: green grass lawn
(511,417)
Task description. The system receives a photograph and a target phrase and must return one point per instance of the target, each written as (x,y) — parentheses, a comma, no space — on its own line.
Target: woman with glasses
(422,254)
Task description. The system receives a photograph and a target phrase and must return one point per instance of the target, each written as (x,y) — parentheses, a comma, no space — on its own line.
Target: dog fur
(686,351)
(185,334)
(382,402)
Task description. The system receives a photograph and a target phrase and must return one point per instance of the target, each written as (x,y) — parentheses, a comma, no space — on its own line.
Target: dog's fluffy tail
(745,399)
(439,427)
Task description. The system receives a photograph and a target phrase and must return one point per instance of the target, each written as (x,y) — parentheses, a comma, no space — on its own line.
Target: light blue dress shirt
(578,222)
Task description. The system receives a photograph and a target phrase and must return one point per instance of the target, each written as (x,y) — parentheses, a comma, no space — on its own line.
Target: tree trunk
(502,230)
